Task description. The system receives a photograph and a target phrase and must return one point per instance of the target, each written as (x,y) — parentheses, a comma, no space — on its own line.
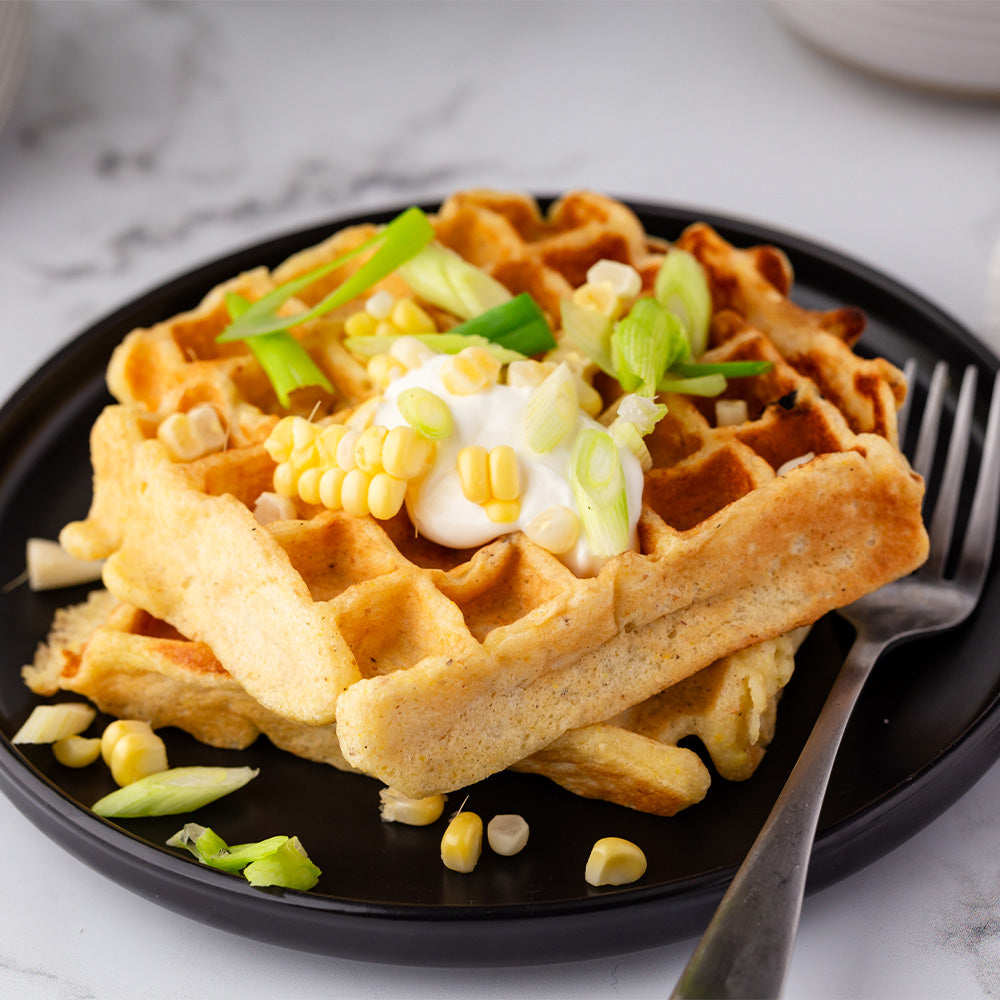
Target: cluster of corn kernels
(611,288)
(470,371)
(492,480)
(188,436)
(385,316)
(362,472)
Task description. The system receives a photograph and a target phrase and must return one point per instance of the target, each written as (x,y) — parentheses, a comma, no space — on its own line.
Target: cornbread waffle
(443,666)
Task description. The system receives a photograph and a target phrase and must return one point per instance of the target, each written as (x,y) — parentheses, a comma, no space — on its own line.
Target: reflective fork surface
(747,947)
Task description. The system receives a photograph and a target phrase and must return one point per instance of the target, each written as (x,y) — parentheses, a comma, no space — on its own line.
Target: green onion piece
(589,331)
(640,411)
(201,841)
(552,410)
(237,857)
(729,369)
(177,790)
(626,434)
(49,723)
(440,276)
(682,287)
(703,385)
(400,240)
(519,325)
(285,361)
(443,343)
(645,344)
(289,867)
(426,412)
(599,489)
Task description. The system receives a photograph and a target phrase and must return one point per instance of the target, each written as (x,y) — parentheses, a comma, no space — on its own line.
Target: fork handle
(747,947)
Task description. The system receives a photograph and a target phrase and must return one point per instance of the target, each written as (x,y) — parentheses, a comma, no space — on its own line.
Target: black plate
(928,724)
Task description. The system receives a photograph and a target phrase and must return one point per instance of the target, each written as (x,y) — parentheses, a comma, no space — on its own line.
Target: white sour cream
(491,417)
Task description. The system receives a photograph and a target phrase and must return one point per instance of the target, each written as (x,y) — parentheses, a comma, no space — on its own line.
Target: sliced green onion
(640,411)
(209,848)
(599,489)
(729,369)
(703,385)
(589,331)
(519,325)
(681,286)
(289,867)
(426,412)
(626,434)
(285,361)
(400,240)
(201,841)
(177,790)
(440,276)
(645,344)
(552,410)
(443,343)
(49,723)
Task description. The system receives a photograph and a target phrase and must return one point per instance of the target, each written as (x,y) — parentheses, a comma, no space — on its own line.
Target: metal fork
(747,947)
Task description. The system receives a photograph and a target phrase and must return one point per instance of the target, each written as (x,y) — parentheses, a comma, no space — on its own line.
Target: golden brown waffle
(443,666)
(133,666)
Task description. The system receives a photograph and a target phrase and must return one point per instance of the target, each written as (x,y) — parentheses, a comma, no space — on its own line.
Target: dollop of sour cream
(494,416)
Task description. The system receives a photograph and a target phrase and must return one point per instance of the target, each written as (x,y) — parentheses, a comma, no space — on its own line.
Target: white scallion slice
(426,412)
(682,287)
(50,723)
(552,410)
(289,867)
(599,489)
(440,276)
(589,331)
(178,790)
(51,566)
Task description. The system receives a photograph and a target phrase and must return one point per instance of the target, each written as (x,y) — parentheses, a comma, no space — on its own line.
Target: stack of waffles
(359,643)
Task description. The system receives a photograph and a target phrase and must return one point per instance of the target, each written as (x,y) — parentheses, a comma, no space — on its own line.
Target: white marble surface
(152,136)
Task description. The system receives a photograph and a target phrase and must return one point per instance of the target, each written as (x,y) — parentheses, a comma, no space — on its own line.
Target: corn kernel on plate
(926,728)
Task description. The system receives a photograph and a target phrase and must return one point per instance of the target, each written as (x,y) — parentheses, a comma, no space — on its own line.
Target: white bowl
(15,30)
(951,45)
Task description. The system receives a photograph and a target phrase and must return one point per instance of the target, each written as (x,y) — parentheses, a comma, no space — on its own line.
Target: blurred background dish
(15,30)
(951,45)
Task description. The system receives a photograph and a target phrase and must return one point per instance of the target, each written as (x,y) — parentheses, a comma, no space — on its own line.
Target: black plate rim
(67,821)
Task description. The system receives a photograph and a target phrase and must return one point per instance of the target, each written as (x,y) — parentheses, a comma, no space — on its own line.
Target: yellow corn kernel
(502,511)
(588,398)
(528,374)
(614,861)
(397,808)
(308,485)
(279,442)
(471,370)
(77,751)
(327,442)
(304,434)
(346,450)
(385,495)
(137,755)
(505,481)
(383,368)
(556,529)
(354,493)
(330,486)
(379,305)
(409,318)
(116,730)
(271,507)
(368,450)
(406,453)
(360,324)
(410,352)
(188,436)
(473,466)
(462,842)
(286,481)
(302,459)
(385,329)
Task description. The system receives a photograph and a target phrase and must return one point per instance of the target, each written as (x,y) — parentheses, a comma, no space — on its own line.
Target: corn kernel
(409,318)
(137,755)
(309,485)
(346,450)
(368,450)
(379,305)
(326,443)
(505,482)
(285,481)
(462,842)
(600,297)
(385,329)
(279,442)
(354,493)
(731,412)
(614,861)
(360,324)
(385,495)
(303,434)
(188,437)
(302,459)
(116,730)
(624,279)
(473,465)
(77,751)
(410,352)
(507,834)
(383,368)
(502,511)
(330,486)
(528,374)
(272,507)
(556,529)
(397,808)
(406,453)
(470,371)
